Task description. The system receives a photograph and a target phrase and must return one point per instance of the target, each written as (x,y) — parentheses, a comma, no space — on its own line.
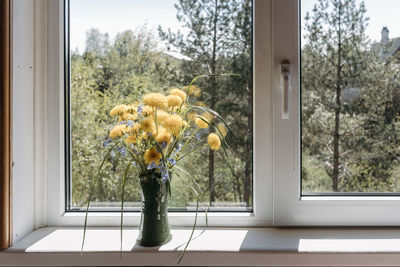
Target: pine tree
(335,61)
(209,23)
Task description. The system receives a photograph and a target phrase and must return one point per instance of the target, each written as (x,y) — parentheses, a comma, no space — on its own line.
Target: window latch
(285,87)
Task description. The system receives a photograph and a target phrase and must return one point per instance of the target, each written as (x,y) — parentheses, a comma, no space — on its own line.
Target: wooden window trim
(5,123)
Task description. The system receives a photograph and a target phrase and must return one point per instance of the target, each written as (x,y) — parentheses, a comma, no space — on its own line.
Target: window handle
(285,87)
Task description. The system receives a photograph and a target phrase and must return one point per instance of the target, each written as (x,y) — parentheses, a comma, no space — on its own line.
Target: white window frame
(54,130)
(276,193)
(290,208)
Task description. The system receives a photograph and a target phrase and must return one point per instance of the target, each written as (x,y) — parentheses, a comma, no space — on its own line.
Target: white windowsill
(213,247)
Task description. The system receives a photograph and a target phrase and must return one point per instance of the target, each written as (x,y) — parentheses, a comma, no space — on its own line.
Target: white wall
(23,170)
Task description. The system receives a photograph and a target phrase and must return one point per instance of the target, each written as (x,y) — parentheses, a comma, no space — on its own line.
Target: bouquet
(156,133)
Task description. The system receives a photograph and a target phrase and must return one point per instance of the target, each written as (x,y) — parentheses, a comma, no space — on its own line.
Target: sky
(113,16)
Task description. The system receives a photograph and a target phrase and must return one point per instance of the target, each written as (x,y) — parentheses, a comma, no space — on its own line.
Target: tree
(209,23)
(334,60)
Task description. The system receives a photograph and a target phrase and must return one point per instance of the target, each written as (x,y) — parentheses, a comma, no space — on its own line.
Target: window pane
(121,50)
(350,95)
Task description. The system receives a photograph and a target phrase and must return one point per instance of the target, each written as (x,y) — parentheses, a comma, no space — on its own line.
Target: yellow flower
(213,141)
(151,155)
(133,129)
(190,115)
(194,90)
(179,93)
(117,131)
(161,115)
(147,110)
(200,104)
(174,100)
(128,117)
(200,123)
(209,117)
(163,135)
(131,109)
(221,127)
(118,110)
(173,123)
(148,125)
(156,100)
(131,139)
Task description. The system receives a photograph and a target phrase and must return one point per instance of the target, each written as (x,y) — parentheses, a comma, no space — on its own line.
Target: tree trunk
(213,81)
(336,136)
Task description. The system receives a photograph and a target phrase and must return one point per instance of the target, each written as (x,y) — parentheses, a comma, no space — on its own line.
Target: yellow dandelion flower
(151,155)
(156,100)
(174,100)
(173,123)
(161,115)
(131,139)
(221,127)
(213,141)
(200,104)
(132,129)
(148,125)
(117,131)
(163,135)
(191,115)
(200,123)
(209,117)
(131,109)
(128,117)
(147,110)
(193,90)
(179,93)
(118,110)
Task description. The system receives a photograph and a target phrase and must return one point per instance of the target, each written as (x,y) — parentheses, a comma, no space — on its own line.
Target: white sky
(380,12)
(113,16)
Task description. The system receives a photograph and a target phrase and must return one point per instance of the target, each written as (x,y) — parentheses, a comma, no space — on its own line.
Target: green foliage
(350,104)
(111,72)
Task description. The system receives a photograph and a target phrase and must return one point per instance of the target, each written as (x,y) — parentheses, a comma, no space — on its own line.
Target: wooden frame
(5,123)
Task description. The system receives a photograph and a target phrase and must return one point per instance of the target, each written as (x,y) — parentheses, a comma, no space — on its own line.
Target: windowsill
(232,247)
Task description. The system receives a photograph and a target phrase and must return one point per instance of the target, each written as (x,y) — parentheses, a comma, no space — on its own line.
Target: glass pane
(350,95)
(123,49)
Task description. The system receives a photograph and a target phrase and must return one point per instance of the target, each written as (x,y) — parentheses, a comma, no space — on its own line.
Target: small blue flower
(122,122)
(107,142)
(164,175)
(139,110)
(112,154)
(122,150)
(172,161)
(151,166)
(129,123)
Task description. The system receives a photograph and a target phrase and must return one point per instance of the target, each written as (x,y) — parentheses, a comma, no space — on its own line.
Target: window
(282,195)
(350,107)
(335,154)
(165,59)
(154,46)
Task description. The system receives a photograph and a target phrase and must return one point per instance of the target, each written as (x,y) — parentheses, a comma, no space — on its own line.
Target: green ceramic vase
(154,226)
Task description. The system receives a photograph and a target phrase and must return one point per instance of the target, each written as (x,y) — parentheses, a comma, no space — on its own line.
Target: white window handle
(285,87)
